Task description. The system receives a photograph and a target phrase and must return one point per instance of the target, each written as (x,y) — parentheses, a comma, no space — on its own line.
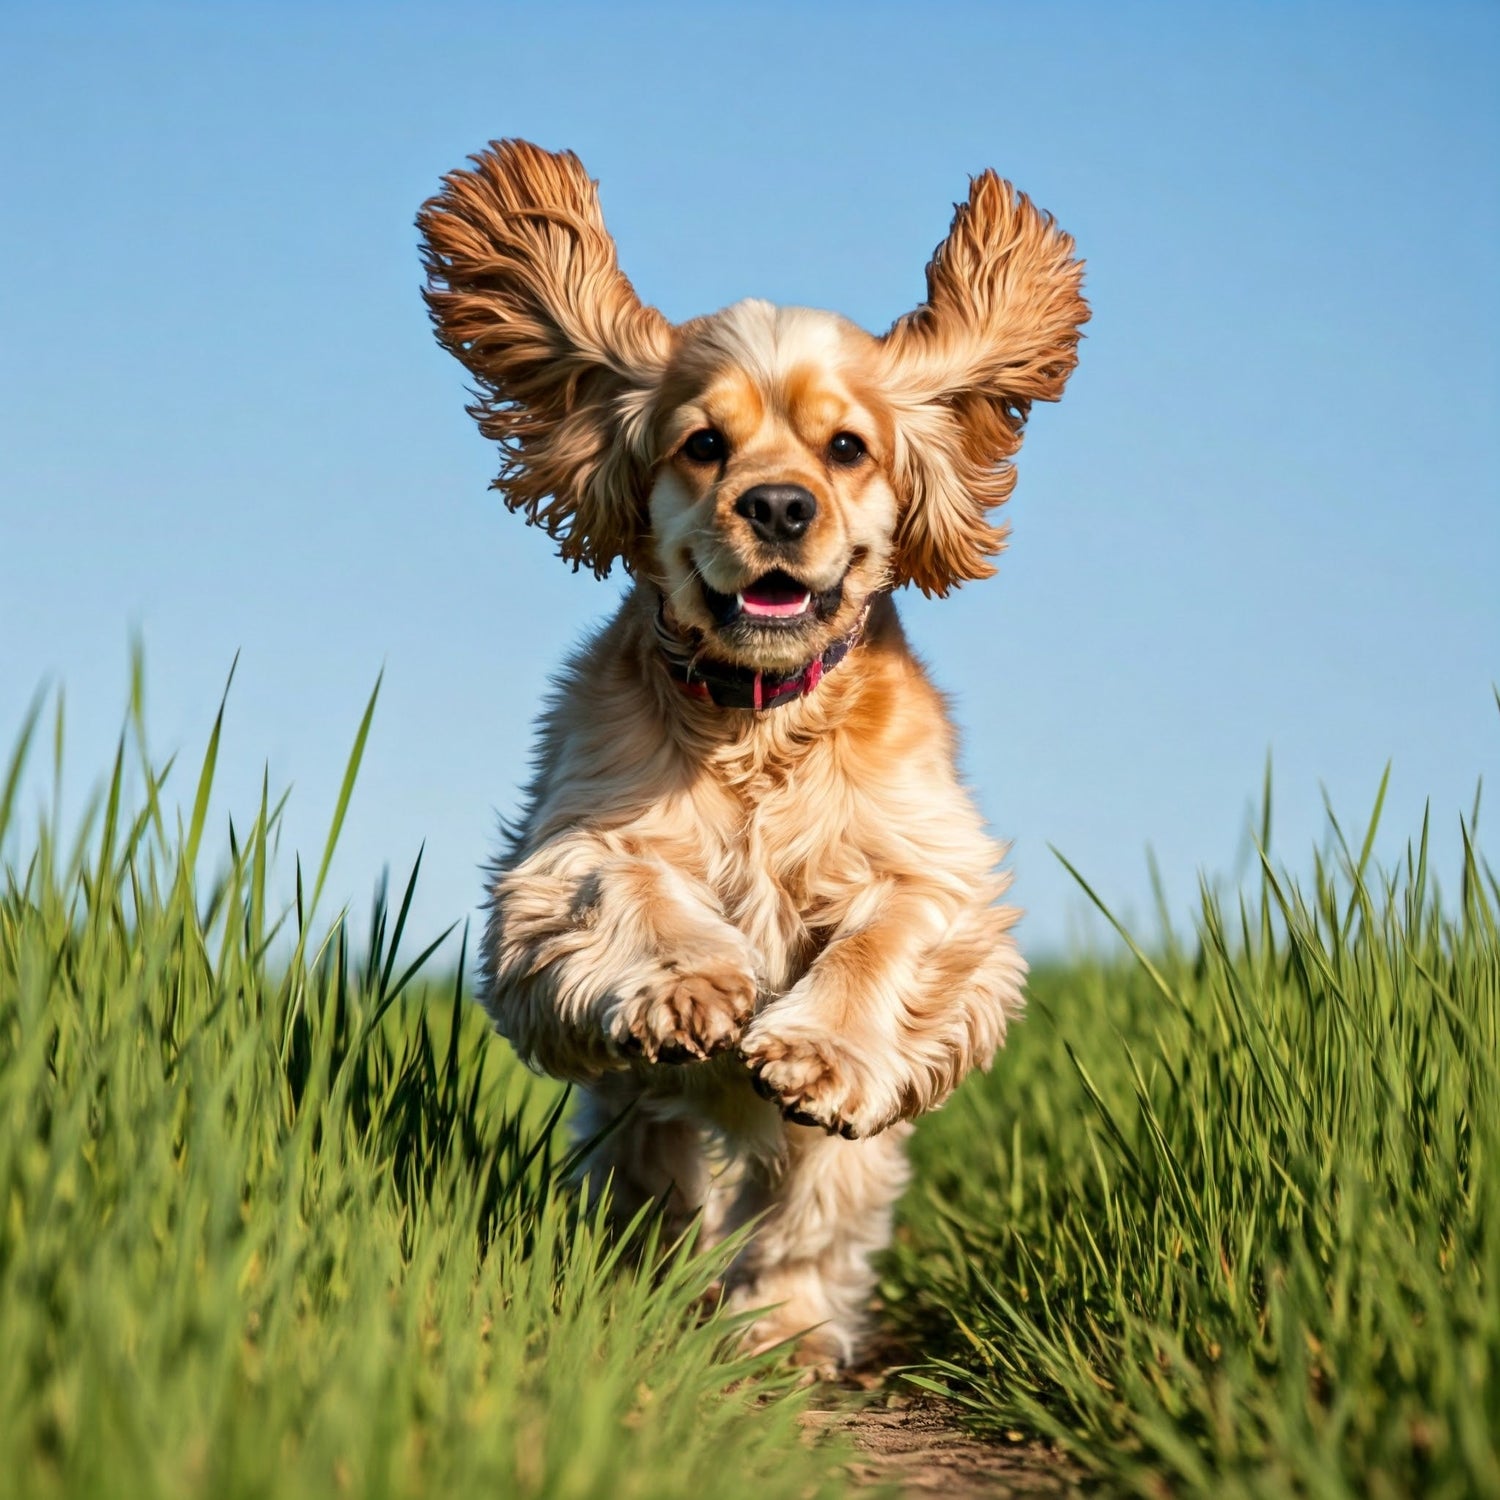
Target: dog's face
(767,468)
(772,512)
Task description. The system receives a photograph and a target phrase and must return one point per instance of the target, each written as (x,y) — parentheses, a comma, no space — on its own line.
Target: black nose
(777,512)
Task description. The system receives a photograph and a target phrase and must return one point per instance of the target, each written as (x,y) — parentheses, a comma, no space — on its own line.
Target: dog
(749,908)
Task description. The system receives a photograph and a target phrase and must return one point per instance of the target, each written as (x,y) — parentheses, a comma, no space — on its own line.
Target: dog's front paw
(686,1013)
(816,1081)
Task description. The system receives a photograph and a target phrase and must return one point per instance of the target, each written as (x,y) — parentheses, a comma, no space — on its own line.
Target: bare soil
(923,1450)
(918,1445)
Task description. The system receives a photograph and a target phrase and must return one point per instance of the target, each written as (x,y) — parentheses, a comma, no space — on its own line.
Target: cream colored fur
(765,941)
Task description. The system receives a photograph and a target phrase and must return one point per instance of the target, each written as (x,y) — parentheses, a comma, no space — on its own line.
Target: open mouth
(775,599)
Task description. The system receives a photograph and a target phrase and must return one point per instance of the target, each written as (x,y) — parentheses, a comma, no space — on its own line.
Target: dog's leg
(642,1155)
(596,953)
(826,1210)
(912,993)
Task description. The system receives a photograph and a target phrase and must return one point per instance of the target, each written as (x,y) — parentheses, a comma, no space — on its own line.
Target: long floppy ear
(999,330)
(524,288)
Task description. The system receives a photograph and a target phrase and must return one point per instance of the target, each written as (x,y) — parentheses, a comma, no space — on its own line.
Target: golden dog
(749,907)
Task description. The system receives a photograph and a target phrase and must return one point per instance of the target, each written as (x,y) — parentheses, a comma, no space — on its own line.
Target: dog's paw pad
(818,1349)
(812,1083)
(687,1013)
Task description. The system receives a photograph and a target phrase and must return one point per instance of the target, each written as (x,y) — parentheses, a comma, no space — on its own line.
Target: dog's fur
(705,905)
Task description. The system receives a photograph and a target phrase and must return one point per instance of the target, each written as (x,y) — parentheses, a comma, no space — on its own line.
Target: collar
(726,685)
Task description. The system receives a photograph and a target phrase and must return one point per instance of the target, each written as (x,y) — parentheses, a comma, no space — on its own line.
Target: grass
(1232,1224)
(278,1217)
(277,1221)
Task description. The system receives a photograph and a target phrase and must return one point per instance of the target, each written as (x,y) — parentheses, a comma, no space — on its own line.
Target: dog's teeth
(739,601)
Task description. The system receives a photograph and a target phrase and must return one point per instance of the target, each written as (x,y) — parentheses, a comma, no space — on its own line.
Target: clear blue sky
(1264,518)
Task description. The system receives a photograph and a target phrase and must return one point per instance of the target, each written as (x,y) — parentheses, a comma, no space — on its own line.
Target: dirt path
(918,1444)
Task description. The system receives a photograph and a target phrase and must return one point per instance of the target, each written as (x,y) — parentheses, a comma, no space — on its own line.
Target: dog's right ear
(525,289)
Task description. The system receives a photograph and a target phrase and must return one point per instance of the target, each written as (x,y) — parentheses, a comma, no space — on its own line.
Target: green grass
(278,1217)
(1225,1220)
(275,1221)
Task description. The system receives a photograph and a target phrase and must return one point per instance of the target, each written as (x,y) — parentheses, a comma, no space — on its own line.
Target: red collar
(729,686)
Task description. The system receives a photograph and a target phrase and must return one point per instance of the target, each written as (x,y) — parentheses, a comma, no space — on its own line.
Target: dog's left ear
(999,330)
(525,289)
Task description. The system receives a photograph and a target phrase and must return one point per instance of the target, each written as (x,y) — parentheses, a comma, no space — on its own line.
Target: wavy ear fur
(524,288)
(999,330)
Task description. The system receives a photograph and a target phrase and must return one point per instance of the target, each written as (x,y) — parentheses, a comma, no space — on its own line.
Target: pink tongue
(777,599)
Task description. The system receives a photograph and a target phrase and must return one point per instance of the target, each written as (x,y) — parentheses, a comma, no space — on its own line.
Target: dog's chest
(789,863)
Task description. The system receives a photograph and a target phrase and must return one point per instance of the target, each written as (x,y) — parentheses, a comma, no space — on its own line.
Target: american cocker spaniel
(749,908)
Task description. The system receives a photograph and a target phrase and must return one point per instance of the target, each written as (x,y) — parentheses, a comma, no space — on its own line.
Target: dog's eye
(706,446)
(846,448)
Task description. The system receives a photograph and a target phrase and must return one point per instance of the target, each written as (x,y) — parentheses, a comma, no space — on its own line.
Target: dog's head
(768,468)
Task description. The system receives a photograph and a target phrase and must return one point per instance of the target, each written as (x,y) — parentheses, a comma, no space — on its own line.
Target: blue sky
(1263,519)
